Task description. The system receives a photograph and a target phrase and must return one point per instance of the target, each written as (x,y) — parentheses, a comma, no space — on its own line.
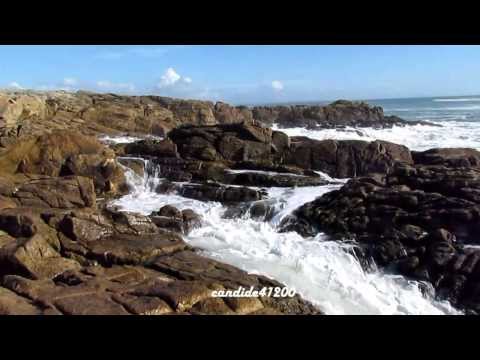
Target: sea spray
(325,272)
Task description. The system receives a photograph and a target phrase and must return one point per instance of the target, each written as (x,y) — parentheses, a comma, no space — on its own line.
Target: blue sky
(247,74)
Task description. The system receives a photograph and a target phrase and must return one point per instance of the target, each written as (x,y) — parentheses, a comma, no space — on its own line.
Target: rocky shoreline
(65,250)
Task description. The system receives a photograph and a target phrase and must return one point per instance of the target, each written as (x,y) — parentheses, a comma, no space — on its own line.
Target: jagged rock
(450,157)
(149,147)
(169,211)
(169,287)
(226,114)
(273,180)
(37,256)
(170,218)
(66,153)
(214,192)
(65,192)
(339,114)
(191,220)
(233,142)
(415,218)
(347,158)
(12,304)
(28,112)
(17,225)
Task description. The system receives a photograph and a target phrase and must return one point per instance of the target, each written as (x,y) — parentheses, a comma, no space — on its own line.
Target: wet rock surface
(63,250)
(223,194)
(88,261)
(415,220)
(170,218)
(176,284)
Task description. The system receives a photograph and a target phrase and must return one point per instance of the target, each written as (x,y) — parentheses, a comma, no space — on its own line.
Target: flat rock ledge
(180,283)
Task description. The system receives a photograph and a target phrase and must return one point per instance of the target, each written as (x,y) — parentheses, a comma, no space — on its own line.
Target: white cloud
(111,86)
(169,78)
(15,85)
(70,81)
(277,85)
(187,80)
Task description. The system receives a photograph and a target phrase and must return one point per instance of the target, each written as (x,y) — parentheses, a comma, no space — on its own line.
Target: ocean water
(459,118)
(322,270)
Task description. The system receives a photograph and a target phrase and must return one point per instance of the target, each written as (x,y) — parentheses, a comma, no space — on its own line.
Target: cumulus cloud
(277,85)
(169,78)
(112,86)
(172,79)
(15,85)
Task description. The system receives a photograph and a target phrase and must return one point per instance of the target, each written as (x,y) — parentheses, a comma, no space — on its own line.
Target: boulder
(66,153)
(231,142)
(150,147)
(415,219)
(34,251)
(170,218)
(451,157)
(273,180)
(347,158)
(339,114)
(12,304)
(224,194)
(64,192)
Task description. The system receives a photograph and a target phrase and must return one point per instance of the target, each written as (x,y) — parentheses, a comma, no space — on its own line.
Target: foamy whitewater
(324,272)
(459,119)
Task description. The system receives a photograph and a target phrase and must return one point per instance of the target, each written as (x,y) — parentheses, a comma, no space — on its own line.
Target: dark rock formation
(170,218)
(237,142)
(273,180)
(149,147)
(415,220)
(216,192)
(452,157)
(347,158)
(341,113)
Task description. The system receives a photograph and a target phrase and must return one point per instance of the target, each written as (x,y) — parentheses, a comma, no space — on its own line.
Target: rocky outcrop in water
(253,147)
(341,113)
(345,158)
(26,113)
(78,261)
(63,250)
(416,220)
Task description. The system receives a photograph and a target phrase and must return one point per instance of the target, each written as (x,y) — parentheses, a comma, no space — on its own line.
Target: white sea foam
(415,137)
(324,272)
(125,139)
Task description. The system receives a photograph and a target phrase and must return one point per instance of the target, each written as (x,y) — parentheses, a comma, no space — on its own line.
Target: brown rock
(12,304)
(64,193)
